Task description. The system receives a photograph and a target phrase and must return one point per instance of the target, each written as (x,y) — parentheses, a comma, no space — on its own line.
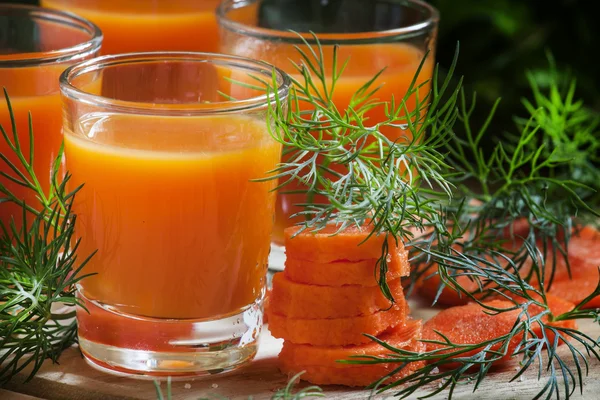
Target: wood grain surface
(74,379)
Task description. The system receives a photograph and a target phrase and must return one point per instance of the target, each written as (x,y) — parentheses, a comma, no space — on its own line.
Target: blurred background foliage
(501,39)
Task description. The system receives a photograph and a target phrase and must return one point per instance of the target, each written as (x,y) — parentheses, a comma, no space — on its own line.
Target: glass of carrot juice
(36,46)
(181,228)
(372,35)
(149,25)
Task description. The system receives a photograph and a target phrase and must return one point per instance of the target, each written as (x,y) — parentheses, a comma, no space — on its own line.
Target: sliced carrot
(584,260)
(297,300)
(577,289)
(583,255)
(557,305)
(321,366)
(339,273)
(429,283)
(337,331)
(584,252)
(327,245)
(429,286)
(471,324)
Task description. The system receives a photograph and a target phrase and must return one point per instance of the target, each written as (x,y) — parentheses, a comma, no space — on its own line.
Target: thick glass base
(127,344)
(277,257)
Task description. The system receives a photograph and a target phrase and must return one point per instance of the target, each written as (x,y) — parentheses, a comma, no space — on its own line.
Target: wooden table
(74,379)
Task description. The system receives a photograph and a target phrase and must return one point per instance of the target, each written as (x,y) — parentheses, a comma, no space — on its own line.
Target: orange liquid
(149,25)
(181,230)
(401,62)
(32,90)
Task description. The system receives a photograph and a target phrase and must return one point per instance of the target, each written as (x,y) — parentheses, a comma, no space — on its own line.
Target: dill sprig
(39,267)
(366,177)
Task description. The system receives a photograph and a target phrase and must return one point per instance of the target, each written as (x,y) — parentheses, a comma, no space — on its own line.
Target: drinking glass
(394,35)
(170,203)
(149,25)
(36,46)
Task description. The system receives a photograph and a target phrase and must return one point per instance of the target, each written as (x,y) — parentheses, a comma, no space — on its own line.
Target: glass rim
(79,51)
(428,23)
(71,91)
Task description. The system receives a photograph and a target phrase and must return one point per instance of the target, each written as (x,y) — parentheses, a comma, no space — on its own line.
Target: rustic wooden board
(74,379)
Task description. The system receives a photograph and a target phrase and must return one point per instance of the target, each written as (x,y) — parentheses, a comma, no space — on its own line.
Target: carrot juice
(188,224)
(31,61)
(174,204)
(149,25)
(47,121)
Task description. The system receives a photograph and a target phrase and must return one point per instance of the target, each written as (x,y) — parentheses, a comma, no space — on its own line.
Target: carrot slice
(584,260)
(585,246)
(337,331)
(577,289)
(321,366)
(429,285)
(583,254)
(297,300)
(339,273)
(557,305)
(470,324)
(327,245)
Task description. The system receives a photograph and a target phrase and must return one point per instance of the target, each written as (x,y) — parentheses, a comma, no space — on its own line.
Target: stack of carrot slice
(328,298)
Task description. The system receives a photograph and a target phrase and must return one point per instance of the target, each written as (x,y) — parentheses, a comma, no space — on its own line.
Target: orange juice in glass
(394,35)
(170,203)
(149,25)
(36,46)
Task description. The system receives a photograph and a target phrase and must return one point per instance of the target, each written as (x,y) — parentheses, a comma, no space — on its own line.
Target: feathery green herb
(366,177)
(38,264)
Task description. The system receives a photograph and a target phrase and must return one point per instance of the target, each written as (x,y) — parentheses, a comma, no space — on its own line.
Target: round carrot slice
(329,245)
(340,273)
(429,285)
(557,307)
(472,324)
(584,260)
(577,289)
(321,366)
(337,331)
(297,300)
(585,246)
